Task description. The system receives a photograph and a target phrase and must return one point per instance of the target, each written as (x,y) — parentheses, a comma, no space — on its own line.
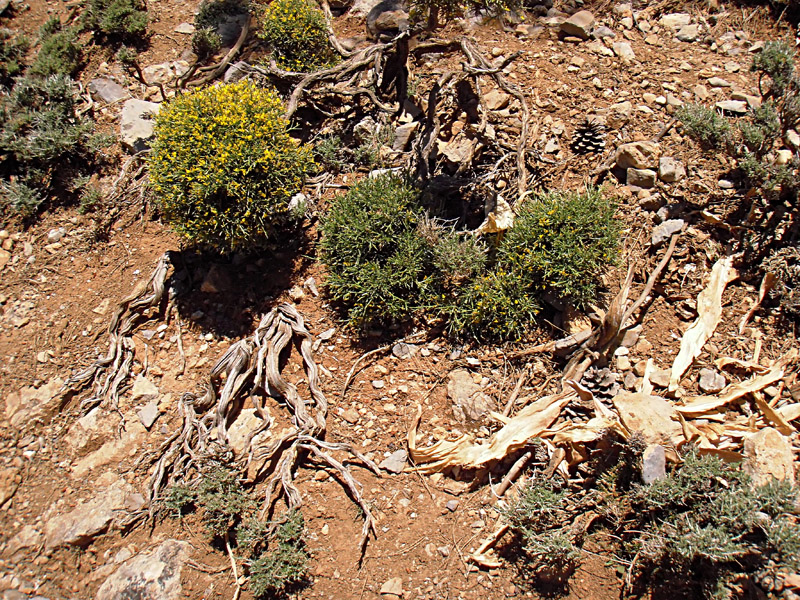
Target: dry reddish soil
(54,307)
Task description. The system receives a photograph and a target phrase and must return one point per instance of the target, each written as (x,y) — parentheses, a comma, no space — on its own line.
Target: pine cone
(589,138)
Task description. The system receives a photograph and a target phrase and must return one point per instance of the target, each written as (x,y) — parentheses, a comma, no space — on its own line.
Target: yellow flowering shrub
(223,165)
(297,33)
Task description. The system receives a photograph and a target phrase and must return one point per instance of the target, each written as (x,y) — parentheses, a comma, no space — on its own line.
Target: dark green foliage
(537,516)
(285,565)
(42,139)
(179,500)
(709,512)
(329,153)
(376,259)
(12,53)
(388,260)
(123,20)
(206,42)
(297,33)
(776,61)
(20,198)
(59,53)
(278,556)
(223,500)
(212,12)
(563,241)
(705,126)
(759,134)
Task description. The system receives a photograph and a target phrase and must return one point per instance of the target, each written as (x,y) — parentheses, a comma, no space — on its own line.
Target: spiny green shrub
(12,53)
(206,42)
(377,261)
(329,153)
(298,35)
(776,62)
(59,53)
(707,516)
(537,516)
(285,564)
(42,140)
(388,260)
(563,241)
(705,125)
(224,167)
(277,559)
(124,20)
(212,12)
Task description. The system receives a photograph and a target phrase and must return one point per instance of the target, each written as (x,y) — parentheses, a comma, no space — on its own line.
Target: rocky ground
(68,478)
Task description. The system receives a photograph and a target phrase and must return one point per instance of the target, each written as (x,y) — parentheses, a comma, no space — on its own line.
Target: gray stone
(496,100)
(137,124)
(603,32)
(661,233)
(30,402)
(769,456)
(660,378)
(670,170)
(27,537)
(452,505)
(719,82)
(236,71)
(725,184)
(106,90)
(79,526)
(404,350)
(148,413)
(783,157)
(688,33)
(641,178)
(675,20)
(469,402)
(579,25)
(361,8)
(624,51)
(239,431)
(638,155)
(654,463)
(185,28)
(700,92)
(395,462)
(619,114)
(738,107)
(403,135)
(155,575)
(711,381)
(143,390)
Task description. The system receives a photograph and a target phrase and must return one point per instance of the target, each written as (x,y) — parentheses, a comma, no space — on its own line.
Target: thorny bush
(298,35)
(224,166)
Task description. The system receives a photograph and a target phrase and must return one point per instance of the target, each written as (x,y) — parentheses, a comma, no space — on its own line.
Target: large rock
(469,401)
(665,230)
(115,448)
(769,455)
(579,25)
(670,170)
(361,8)
(688,33)
(737,107)
(79,526)
(641,178)
(638,155)
(654,417)
(675,20)
(624,51)
(386,20)
(107,90)
(137,124)
(30,402)
(154,575)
